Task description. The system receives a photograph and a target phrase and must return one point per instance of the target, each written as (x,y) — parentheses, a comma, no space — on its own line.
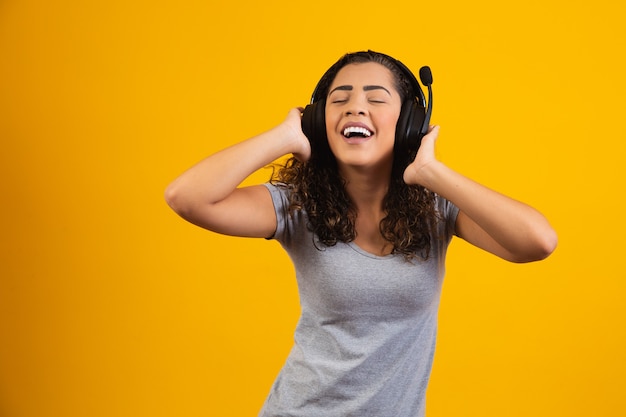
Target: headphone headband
(368,56)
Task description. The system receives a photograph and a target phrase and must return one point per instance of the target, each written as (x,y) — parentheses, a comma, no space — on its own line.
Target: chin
(365,164)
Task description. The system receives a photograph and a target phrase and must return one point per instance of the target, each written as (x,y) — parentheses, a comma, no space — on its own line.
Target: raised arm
(207,194)
(492,221)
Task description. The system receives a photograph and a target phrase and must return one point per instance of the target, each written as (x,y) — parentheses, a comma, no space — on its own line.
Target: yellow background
(110,305)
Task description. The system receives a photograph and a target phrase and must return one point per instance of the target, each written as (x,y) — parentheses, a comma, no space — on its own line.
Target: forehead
(368,73)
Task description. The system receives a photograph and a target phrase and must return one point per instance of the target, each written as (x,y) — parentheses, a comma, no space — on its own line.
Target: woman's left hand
(415,172)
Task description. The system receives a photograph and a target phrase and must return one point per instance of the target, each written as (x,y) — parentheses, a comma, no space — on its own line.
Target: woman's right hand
(293,124)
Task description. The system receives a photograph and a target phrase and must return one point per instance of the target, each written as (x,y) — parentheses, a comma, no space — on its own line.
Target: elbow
(175,200)
(547,241)
(543,245)
(170,196)
(186,204)
(550,243)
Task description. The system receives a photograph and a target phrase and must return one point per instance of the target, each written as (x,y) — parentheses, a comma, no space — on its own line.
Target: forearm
(518,228)
(216,177)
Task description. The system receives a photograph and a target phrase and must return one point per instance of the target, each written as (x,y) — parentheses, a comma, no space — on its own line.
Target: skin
(208,194)
(364,94)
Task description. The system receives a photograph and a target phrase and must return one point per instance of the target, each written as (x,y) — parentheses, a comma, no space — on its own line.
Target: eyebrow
(365,88)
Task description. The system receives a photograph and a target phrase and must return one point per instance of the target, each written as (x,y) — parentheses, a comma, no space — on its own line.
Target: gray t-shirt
(365,340)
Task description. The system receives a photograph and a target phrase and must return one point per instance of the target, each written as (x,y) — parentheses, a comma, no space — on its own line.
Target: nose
(356,107)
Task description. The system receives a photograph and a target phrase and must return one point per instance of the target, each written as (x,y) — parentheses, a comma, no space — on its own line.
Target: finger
(433,128)
(432,134)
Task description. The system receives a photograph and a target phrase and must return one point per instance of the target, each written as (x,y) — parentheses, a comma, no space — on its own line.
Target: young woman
(367,226)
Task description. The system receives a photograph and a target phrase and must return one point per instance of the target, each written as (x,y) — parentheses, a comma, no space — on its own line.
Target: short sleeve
(280,198)
(449,213)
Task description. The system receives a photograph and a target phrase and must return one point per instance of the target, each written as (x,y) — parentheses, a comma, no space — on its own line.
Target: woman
(367,230)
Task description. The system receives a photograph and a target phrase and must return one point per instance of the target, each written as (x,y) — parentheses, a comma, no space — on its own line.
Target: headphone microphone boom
(426,76)
(414,119)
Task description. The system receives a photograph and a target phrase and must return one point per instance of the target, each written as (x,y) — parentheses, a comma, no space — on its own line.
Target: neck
(367,188)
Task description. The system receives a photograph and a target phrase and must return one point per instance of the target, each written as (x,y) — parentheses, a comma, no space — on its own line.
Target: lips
(356,131)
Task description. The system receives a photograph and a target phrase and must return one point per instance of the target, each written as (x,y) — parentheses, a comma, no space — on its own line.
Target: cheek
(390,122)
(331,123)
(330,117)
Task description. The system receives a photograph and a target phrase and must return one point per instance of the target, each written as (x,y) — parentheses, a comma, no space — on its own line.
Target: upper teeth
(355,129)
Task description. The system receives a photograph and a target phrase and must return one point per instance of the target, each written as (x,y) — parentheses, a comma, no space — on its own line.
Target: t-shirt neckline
(363,252)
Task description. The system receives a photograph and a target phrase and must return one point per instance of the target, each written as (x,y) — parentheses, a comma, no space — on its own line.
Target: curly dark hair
(317,187)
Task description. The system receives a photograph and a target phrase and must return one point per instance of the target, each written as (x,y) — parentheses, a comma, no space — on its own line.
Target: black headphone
(413,121)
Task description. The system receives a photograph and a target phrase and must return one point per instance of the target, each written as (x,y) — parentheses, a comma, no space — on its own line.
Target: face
(362,110)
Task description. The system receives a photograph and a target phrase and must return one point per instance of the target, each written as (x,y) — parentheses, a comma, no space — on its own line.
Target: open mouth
(351,132)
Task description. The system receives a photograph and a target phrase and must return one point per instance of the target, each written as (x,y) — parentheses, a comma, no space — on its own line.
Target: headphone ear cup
(307,120)
(314,123)
(408,131)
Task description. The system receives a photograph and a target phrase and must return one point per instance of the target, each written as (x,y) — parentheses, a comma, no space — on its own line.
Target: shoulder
(448,213)
(280,193)
(290,220)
